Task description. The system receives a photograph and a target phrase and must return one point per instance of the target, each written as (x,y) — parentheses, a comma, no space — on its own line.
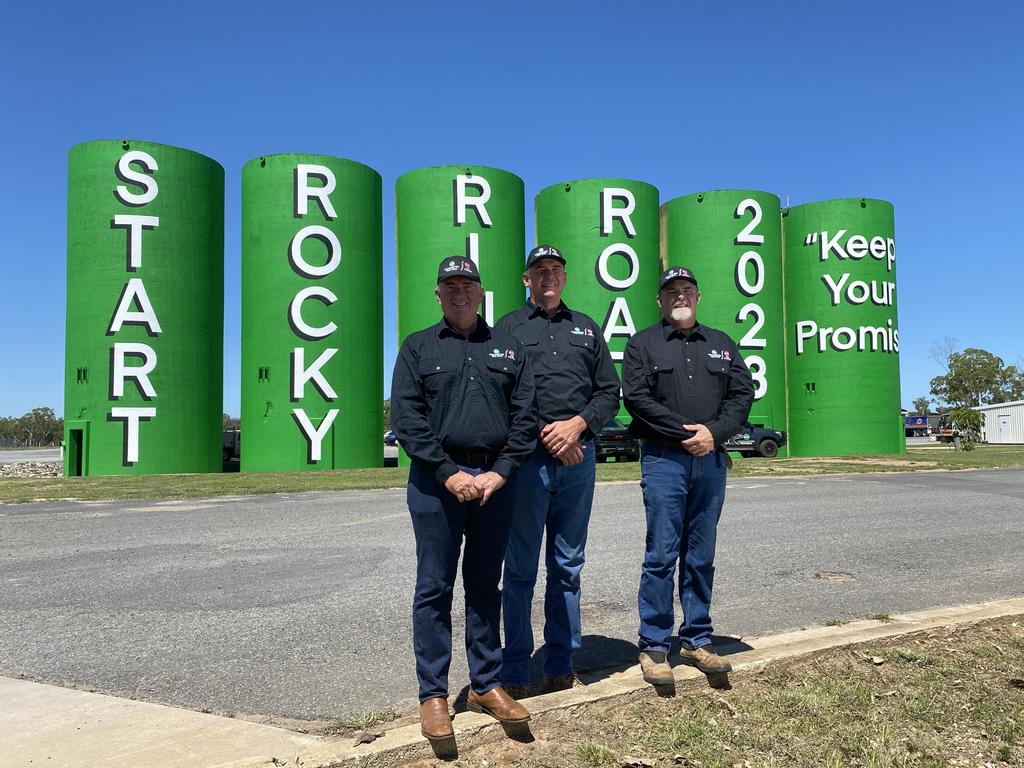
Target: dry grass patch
(949,697)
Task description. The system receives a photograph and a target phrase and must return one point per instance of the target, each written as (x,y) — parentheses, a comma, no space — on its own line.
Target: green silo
(458,210)
(145,305)
(842,343)
(607,229)
(312,337)
(732,240)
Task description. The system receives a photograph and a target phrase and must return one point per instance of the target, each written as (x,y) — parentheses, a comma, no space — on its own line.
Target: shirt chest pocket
(581,344)
(436,375)
(719,370)
(502,373)
(663,375)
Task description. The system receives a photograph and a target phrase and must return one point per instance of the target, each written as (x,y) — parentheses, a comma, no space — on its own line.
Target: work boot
(655,668)
(435,722)
(498,705)
(561,683)
(518,692)
(705,659)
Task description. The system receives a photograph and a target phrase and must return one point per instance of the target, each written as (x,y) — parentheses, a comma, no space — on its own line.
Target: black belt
(474,458)
(675,444)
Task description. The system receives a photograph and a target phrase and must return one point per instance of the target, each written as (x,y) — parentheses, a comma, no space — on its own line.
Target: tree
(976,377)
(968,423)
(230,422)
(40,427)
(387,414)
(921,405)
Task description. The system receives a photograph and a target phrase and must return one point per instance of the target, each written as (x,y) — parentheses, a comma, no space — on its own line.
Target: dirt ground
(949,697)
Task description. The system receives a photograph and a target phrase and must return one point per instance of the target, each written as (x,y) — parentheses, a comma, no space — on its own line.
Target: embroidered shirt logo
(507,354)
(577,331)
(714,353)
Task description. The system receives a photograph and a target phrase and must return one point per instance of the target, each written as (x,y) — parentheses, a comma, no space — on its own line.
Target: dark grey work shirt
(572,367)
(450,393)
(672,377)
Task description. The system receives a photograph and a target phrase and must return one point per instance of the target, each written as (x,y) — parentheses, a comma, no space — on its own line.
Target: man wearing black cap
(688,391)
(577,394)
(462,400)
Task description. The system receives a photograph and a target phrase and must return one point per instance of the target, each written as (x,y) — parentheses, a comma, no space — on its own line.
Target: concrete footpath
(47,725)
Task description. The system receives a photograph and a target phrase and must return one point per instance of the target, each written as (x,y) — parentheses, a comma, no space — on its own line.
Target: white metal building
(1004,423)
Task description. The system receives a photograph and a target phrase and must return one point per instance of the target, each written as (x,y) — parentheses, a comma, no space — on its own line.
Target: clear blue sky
(918,103)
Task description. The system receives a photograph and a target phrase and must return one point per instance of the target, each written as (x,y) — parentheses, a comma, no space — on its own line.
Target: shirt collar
(482,332)
(534,311)
(669,330)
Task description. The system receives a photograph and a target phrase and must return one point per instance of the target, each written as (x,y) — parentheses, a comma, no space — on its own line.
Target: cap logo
(459,266)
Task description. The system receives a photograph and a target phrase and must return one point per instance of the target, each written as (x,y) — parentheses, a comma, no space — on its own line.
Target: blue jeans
(683,497)
(557,499)
(440,521)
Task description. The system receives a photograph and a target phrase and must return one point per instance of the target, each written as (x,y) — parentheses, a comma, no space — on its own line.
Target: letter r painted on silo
(478,202)
(303,190)
(139,373)
(609,212)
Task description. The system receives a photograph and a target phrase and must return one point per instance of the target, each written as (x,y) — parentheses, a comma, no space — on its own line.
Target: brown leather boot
(705,659)
(518,692)
(560,683)
(656,669)
(435,722)
(498,705)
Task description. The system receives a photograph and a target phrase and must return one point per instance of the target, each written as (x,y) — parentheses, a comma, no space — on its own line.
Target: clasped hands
(466,487)
(701,443)
(562,440)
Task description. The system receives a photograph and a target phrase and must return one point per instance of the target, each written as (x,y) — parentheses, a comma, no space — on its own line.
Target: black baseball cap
(677,273)
(544,252)
(457,266)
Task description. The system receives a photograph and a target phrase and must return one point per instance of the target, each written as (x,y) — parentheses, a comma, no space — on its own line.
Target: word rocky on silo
(301,374)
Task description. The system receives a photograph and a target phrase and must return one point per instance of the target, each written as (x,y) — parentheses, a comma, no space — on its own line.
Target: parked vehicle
(390,438)
(232,444)
(756,441)
(615,440)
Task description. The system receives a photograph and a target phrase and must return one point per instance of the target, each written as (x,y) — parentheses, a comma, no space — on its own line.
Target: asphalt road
(298,605)
(24,455)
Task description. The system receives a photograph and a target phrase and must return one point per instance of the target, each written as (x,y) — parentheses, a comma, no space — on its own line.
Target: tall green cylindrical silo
(607,229)
(457,210)
(732,240)
(842,332)
(145,304)
(312,339)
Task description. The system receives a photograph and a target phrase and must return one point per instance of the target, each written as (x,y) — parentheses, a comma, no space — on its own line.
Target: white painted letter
(139,373)
(135,291)
(301,374)
(609,213)
(131,417)
(135,225)
(333,251)
(835,288)
(605,277)
(478,202)
(315,435)
(326,295)
(805,329)
(126,173)
(303,192)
